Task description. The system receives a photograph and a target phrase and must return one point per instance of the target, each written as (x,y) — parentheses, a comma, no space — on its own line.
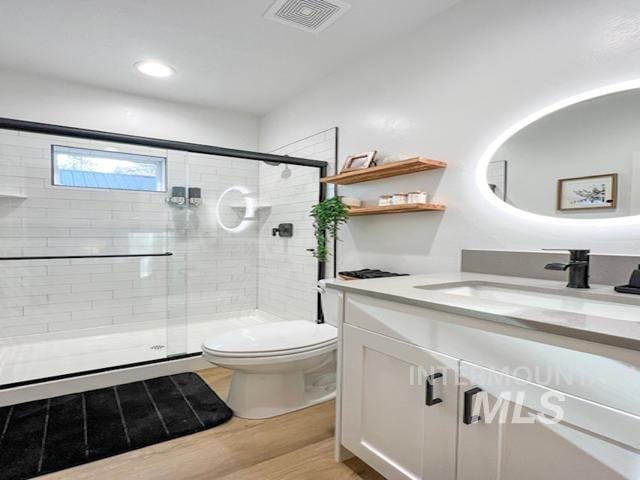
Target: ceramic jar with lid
(418,197)
(400,198)
(385,200)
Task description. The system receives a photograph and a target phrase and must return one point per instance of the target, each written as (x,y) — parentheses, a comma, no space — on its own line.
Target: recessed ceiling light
(154,69)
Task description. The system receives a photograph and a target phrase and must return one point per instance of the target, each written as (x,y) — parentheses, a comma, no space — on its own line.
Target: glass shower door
(176,209)
(222,245)
(241,269)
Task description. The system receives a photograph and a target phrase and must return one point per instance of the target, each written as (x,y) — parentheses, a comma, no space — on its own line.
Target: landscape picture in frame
(588,193)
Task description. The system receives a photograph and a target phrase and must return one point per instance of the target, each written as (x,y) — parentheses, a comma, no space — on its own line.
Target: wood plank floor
(296,446)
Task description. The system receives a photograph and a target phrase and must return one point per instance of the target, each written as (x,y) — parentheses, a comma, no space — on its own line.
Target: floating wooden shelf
(387,170)
(346,277)
(406,208)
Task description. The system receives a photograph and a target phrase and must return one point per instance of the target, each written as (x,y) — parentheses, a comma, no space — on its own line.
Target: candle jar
(399,198)
(384,200)
(352,202)
(418,197)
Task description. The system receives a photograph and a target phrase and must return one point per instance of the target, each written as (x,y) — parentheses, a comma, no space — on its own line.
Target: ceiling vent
(309,15)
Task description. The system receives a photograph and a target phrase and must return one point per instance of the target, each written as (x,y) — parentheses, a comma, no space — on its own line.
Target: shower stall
(118,250)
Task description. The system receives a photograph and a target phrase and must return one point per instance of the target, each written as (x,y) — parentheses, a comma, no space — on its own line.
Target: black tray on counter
(366,273)
(627,289)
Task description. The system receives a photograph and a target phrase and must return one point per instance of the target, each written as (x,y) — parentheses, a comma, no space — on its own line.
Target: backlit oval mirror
(582,161)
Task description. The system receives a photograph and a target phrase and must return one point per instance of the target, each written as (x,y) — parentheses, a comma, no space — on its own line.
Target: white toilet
(279,367)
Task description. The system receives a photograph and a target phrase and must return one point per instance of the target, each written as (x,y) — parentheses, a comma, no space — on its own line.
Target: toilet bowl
(279,367)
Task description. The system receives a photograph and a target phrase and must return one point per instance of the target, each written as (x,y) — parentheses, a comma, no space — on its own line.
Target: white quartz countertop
(600,329)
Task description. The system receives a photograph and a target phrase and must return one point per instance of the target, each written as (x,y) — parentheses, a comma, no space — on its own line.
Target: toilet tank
(330,300)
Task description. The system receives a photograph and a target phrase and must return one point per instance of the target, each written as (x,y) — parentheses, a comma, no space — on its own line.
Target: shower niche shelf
(406,208)
(237,206)
(12,195)
(403,167)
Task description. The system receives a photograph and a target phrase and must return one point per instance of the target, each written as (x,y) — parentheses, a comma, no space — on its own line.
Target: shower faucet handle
(285,230)
(195,196)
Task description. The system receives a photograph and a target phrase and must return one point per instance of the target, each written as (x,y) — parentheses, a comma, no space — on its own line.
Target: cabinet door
(538,433)
(385,417)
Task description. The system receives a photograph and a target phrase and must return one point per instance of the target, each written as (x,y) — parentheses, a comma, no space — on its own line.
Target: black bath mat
(44,436)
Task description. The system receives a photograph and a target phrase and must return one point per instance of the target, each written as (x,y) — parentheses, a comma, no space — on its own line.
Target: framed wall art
(588,193)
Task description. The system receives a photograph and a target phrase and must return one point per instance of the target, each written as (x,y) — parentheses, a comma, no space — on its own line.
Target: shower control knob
(285,230)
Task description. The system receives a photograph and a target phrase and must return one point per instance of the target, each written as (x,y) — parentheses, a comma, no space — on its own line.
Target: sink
(539,297)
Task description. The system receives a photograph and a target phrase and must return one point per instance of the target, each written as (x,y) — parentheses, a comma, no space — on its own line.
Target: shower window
(88,168)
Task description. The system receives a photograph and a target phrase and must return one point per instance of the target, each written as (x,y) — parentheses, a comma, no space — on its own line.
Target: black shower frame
(74,132)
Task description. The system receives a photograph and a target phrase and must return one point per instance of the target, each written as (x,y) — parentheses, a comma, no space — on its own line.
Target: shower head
(286,173)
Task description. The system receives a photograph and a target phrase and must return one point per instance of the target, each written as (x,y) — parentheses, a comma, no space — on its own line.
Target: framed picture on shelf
(588,193)
(359,161)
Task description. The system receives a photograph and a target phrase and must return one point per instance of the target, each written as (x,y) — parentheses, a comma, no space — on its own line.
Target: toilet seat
(273,339)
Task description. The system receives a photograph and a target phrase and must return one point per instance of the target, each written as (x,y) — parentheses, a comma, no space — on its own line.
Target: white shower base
(47,355)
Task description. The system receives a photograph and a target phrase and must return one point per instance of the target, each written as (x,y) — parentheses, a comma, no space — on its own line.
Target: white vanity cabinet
(589,441)
(388,350)
(399,406)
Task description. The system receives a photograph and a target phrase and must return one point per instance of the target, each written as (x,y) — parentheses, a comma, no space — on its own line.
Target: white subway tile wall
(287,272)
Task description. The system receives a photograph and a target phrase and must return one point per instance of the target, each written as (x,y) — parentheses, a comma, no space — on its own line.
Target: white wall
(33,98)
(446,91)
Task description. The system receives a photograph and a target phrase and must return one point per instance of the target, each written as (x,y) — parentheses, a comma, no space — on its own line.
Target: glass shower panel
(177,210)
(84,275)
(240,270)
(287,272)
(222,256)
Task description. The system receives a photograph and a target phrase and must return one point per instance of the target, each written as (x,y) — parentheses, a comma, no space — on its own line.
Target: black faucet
(578,267)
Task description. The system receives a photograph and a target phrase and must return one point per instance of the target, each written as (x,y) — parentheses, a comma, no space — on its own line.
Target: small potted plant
(327,215)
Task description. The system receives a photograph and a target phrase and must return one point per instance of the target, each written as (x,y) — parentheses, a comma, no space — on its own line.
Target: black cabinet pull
(430,400)
(468,418)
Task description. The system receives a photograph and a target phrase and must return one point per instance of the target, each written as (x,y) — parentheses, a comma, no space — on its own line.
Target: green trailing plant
(328,215)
